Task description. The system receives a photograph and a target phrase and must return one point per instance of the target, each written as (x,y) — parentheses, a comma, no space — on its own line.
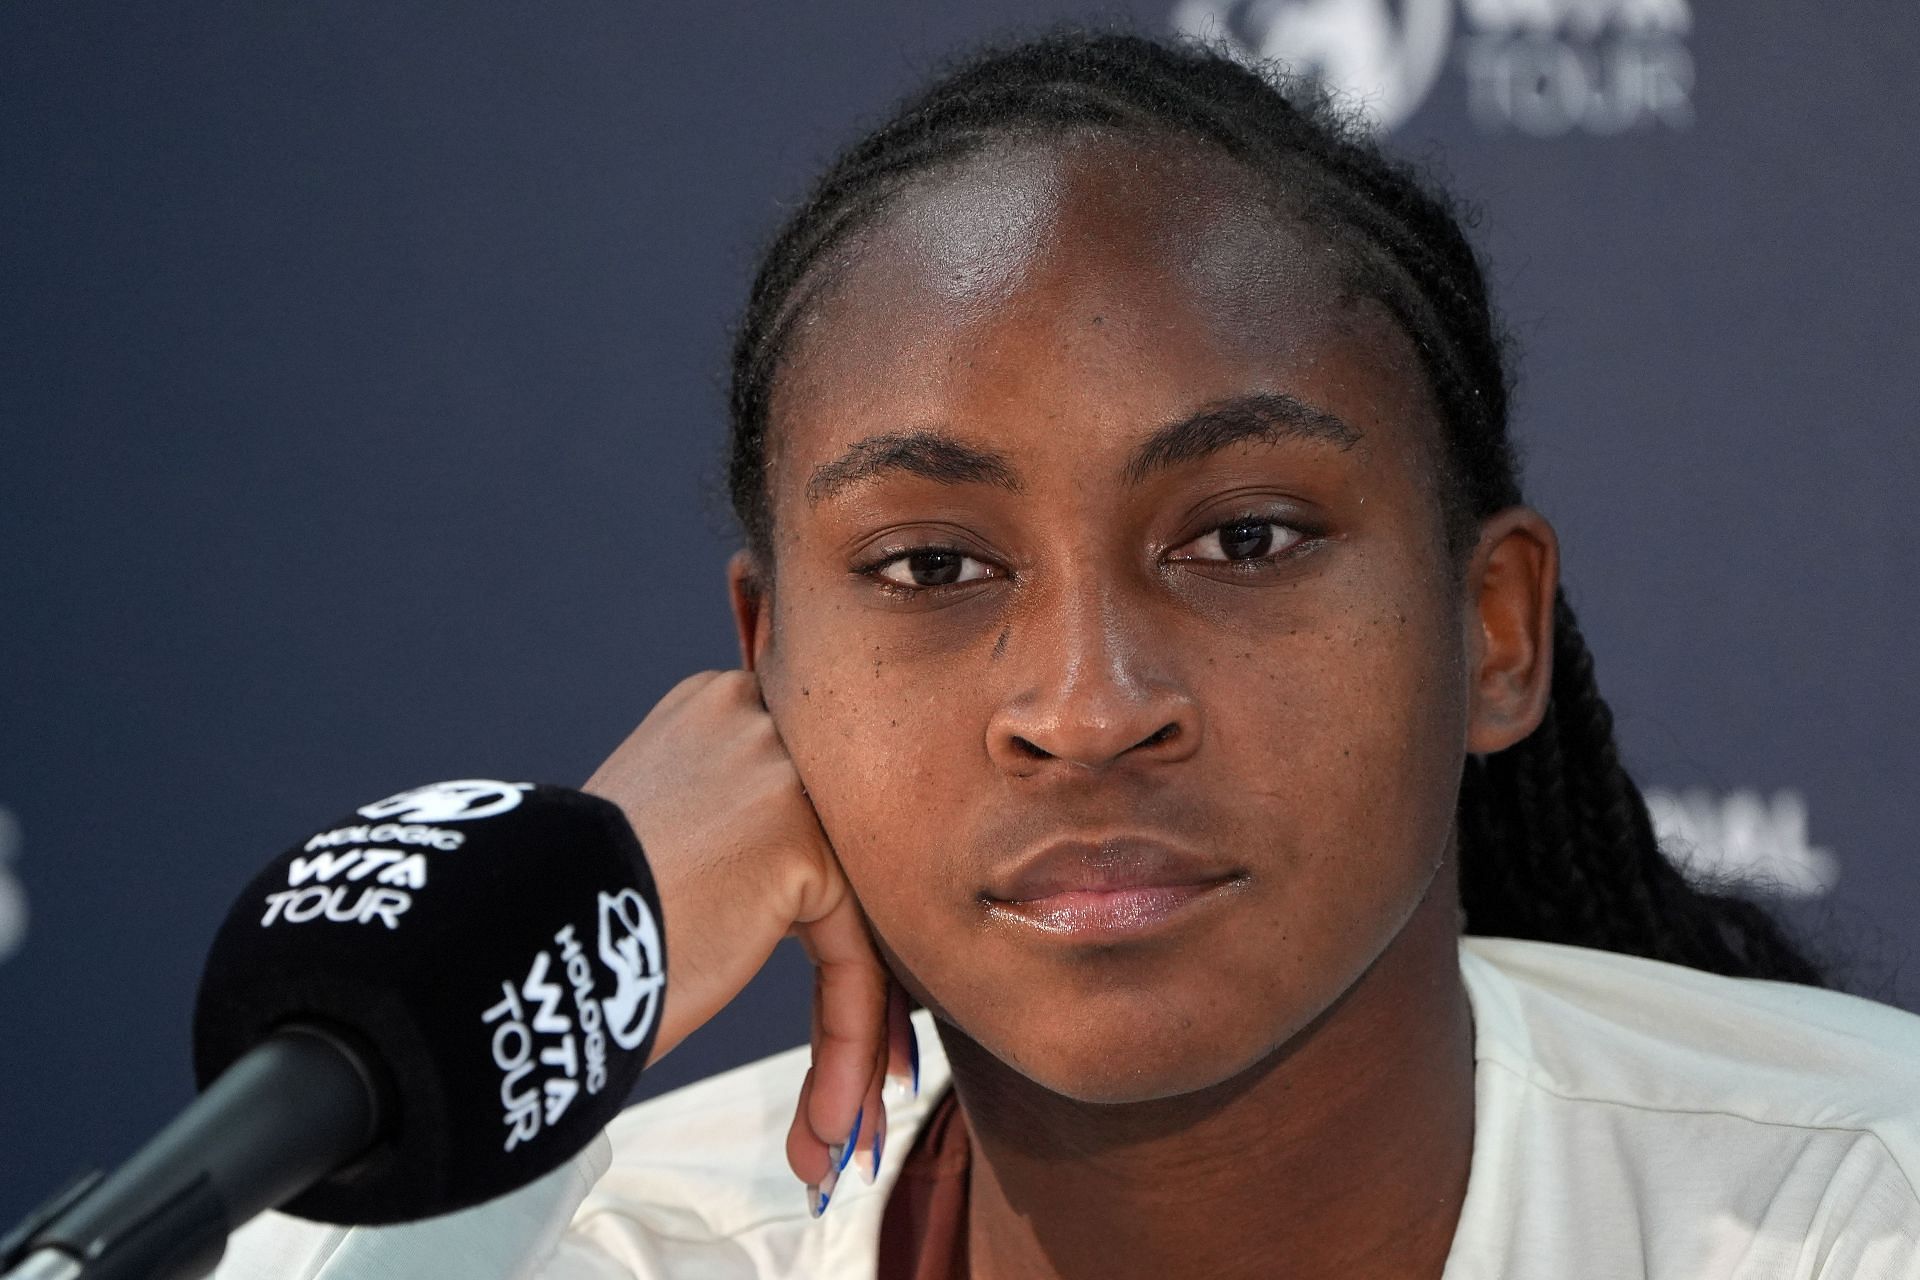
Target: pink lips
(1106,889)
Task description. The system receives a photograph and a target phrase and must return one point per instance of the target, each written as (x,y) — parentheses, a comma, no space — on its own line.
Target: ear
(1510,586)
(752,607)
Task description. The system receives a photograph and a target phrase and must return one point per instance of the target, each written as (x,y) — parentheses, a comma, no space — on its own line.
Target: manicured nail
(870,1168)
(827,1185)
(913,1057)
(843,1152)
(837,1156)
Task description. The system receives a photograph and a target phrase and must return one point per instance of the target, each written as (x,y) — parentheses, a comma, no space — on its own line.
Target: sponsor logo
(1385,65)
(1551,67)
(1542,68)
(340,903)
(389,833)
(630,947)
(388,866)
(549,1040)
(461,801)
(1743,837)
(13,896)
(361,883)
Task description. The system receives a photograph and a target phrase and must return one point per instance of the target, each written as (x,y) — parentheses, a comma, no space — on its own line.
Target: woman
(1150,668)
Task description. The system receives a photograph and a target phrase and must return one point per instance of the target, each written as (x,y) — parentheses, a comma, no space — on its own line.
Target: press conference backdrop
(360,405)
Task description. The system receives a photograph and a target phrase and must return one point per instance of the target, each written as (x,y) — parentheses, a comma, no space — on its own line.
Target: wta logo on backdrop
(1743,838)
(1540,68)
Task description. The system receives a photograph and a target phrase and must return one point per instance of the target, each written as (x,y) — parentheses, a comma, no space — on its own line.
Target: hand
(740,861)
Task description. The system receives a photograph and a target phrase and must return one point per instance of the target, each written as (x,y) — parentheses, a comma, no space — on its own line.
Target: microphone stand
(293,1110)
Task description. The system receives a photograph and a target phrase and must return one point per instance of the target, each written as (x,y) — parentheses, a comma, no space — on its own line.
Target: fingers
(806,1154)
(873,1131)
(903,1047)
(840,1121)
(740,857)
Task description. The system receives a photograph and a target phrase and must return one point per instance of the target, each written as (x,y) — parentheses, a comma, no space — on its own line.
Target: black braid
(1578,808)
(1555,841)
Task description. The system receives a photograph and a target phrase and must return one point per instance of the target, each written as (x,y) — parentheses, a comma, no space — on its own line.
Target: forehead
(1117,280)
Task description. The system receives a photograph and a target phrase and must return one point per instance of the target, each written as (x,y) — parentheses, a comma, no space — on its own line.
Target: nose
(1091,685)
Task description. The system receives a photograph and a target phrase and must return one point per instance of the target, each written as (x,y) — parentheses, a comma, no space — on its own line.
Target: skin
(1281,1069)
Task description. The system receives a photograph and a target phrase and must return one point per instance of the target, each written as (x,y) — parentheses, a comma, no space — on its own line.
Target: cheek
(885,747)
(1362,717)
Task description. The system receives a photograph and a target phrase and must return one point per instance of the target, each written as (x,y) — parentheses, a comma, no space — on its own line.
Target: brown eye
(1246,539)
(1241,540)
(931,567)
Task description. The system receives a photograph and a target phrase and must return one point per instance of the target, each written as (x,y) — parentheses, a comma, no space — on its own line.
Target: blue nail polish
(853,1143)
(913,1057)
(879,1138)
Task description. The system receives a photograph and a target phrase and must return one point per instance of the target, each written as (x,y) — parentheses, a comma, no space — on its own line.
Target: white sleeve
(1868,1225)
(519,1236)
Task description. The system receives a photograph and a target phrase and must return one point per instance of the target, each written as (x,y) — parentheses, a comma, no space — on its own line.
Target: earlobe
(1511,583)
(752,607)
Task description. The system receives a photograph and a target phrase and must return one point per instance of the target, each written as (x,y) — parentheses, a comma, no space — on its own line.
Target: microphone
(425,1004)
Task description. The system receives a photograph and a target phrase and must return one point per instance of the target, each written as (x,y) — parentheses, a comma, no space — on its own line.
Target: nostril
(1165,733)
(1029,750)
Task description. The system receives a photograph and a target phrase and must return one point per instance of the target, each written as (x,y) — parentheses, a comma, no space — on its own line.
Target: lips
(1106,888)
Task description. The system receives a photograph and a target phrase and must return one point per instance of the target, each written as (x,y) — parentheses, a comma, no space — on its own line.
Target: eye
(930,567)
(1246,539)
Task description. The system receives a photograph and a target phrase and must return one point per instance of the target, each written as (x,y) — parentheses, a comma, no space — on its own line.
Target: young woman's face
(1113,631)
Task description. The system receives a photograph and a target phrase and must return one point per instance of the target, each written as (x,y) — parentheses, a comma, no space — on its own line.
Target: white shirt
(1632,1118)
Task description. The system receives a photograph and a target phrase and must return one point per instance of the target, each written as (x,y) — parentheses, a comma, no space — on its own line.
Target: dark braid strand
(1556,844)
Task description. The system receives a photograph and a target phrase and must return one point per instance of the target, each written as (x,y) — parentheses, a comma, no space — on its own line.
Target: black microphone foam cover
(495,951)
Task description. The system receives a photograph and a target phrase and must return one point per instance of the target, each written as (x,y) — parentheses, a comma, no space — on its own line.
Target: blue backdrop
(360,401)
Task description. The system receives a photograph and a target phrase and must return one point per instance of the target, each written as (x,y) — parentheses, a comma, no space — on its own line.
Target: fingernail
(870,1168)
(843,1152)
(827,1185)
(837,1156)
(913,1057)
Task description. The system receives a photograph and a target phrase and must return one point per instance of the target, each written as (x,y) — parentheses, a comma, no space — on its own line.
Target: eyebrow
(1263,418)
(928,453)
(1266,417)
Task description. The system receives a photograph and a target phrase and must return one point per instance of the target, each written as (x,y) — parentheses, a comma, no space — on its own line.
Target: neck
(1344,1152)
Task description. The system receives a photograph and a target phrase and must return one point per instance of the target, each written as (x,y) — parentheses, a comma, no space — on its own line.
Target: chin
(1147,1081)
(1122,1051)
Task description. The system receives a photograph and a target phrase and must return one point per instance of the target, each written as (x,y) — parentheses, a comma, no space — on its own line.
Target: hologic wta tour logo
(356,874)
(365,874)
(549,1031)
(1543,68)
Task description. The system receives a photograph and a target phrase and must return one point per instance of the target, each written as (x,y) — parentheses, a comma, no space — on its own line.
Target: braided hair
(1555,842)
